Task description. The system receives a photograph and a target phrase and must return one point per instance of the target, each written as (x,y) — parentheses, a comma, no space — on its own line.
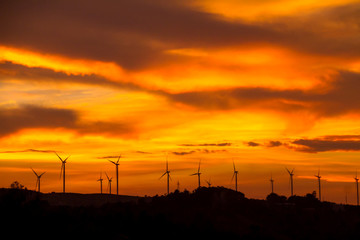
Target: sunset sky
(267,84)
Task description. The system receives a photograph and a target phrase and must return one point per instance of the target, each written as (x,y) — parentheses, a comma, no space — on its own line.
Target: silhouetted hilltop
(205,213)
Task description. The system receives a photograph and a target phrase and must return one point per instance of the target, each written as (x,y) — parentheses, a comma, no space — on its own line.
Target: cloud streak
(30,150)
(340,98)
(25,117)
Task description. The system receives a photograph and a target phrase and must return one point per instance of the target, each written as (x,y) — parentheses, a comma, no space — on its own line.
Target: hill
(206,213)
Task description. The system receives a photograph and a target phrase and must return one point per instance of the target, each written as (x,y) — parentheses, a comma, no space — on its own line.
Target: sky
(268,85)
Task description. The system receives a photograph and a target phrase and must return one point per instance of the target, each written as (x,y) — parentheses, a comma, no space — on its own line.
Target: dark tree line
(206,213)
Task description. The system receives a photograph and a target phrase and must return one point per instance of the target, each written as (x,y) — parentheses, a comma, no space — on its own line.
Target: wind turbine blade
(162,175)
(59,157)
(234,166)
(37,183)
(170,177)
(292,171)
(107,176)
(233,177)
(194,174)
(42,174)
(118,159)
(34,172)
(67,158)
(199,166)
(112,161)
(288,170)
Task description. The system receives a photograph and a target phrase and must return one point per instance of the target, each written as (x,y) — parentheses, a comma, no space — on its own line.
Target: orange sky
(266,84)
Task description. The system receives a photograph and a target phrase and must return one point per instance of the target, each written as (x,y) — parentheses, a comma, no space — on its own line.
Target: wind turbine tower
(37,180)
(319,181)
(117,173)
(235,175)
(167,172)
(62,171)
(198,173)
(272,184)
(109,184)
(291,181)
(357,189)
(100,180)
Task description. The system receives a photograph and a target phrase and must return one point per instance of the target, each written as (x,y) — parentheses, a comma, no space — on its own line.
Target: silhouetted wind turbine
(291,181)
(272,184)
(235,175)
(117,173)
(109,184)
(100,180)
(167,172)
(37,180)
(357,189)
(198,173)
(63,162)
(209,183)
(319,181)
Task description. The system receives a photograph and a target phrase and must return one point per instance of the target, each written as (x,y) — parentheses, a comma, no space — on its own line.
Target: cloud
(31,150)
(206,151)
(183,153)
(274,144)
(14,120)
(340,97)
(28,116)
(252,144)
(11,71)
(110,156)
(207,144)
(321,145)
(137,33)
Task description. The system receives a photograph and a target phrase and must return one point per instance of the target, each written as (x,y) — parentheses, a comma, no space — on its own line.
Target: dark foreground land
(208,213)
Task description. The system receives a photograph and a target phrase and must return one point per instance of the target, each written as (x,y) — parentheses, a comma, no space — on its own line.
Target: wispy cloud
(225,144)
(30,150)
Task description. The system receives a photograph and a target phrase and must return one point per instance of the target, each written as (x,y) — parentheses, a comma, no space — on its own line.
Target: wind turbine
(235,175)
(357,189)
(209,183)
(100,180)
(319,180)
(109,184)
(63,162)
(37,180)
(272,184)
(291,180)
(198,173)
(167,172)
(117,173)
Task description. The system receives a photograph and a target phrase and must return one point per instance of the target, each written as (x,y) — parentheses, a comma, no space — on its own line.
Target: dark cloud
(274,144)
(252,144)
(13,71)
(137,33)
(183,153)
(24,117)
(142,152)
(206,151)
(110,156)
(320,145)
(341,97)
(207,144)
(31,150)
(28,116)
